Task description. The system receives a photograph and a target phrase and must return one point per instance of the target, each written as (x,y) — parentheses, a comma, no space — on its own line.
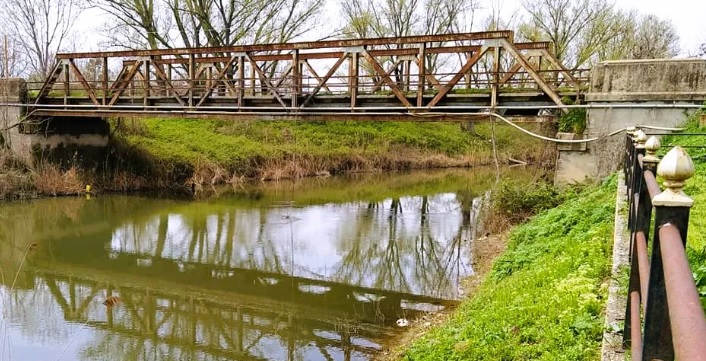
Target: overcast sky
(689,17)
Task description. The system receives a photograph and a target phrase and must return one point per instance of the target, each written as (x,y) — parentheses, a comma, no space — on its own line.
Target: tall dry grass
(50,179)
(15,181)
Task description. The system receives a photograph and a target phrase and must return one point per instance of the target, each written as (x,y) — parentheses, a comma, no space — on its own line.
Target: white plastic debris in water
(402,322)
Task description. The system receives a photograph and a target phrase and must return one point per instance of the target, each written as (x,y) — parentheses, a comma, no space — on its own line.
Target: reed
(50,179)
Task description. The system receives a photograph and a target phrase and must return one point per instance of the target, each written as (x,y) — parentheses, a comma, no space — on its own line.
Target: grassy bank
(543,298)
(174,153)
(205,152)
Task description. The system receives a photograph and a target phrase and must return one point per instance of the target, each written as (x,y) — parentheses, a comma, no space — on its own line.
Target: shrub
(574,121)
(518,201)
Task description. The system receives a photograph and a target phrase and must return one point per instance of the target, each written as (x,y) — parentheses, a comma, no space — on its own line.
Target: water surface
(319,269)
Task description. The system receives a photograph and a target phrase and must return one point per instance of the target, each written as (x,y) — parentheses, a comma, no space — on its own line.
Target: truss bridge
(417,78)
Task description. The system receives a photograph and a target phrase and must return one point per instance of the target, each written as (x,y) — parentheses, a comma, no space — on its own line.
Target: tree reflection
(406,244)
(237,279)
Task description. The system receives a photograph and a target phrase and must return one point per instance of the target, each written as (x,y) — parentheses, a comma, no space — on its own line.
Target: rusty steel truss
(439,77)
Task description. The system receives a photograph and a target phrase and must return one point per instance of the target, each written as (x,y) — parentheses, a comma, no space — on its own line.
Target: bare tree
(654,38)
(382,18)
(641,37)
(40,28)
(135,24)
(575,28)
(397,18)
(13,62)
(198,23)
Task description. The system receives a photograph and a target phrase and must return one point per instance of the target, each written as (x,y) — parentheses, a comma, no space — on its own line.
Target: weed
(517,201)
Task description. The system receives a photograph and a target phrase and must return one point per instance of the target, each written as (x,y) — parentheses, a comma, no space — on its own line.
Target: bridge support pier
(57,139)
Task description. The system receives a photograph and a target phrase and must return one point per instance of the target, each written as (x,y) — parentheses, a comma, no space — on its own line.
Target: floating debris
(402,322)
(112,301)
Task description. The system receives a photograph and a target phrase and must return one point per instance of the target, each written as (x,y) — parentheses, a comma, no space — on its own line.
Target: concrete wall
(47,138)
(675,78)
(631,82)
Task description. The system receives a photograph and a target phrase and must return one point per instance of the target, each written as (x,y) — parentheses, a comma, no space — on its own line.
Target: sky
(689,17)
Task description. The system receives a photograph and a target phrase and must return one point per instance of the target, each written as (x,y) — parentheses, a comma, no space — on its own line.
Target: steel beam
(501,34)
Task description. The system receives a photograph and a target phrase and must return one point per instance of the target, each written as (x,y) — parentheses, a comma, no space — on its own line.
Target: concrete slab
(612,349)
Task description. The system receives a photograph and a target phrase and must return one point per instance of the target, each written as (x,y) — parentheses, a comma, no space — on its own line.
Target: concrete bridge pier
(661,92)
(55,139)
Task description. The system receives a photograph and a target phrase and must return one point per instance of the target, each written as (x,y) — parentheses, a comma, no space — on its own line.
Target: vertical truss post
(67,86)
(407,75)
(467,75)
(422,61)
(296,78)
(192,78)
(353,77)
(252,79)
(104,80)
(146,82)
(241,81)
(209,82)
(169,79)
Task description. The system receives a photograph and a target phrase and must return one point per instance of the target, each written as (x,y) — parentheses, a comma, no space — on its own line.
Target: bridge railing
(370,84)
(664,318)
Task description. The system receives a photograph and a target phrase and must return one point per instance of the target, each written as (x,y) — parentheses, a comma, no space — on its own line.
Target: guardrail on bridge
(661,287)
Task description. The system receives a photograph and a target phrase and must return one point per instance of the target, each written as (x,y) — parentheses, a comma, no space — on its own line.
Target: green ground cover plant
(543,299)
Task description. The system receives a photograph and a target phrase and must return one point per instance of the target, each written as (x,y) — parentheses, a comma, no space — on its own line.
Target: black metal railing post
(639,266)
(636,178)
(671,208)
(627,152)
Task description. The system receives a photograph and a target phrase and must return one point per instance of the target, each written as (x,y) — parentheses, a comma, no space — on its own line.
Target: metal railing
(664,318)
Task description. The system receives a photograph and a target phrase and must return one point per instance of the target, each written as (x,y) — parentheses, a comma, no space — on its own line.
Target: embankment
(175,153)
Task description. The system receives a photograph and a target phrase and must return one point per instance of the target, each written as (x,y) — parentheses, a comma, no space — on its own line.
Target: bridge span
(417,78)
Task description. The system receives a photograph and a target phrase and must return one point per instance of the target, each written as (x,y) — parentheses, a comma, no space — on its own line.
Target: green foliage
(698,261)
(574,121)
(544,297)
(518,200)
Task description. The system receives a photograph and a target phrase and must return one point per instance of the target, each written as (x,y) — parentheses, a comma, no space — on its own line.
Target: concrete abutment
(628,93)
(55,139)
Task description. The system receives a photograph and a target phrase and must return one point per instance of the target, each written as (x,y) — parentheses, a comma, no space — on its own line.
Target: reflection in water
(313,272)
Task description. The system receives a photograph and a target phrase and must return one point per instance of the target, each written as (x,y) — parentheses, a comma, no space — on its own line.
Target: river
(318,269)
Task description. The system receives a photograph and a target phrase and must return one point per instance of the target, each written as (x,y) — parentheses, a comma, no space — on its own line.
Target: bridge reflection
(195,325)
(230,280)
